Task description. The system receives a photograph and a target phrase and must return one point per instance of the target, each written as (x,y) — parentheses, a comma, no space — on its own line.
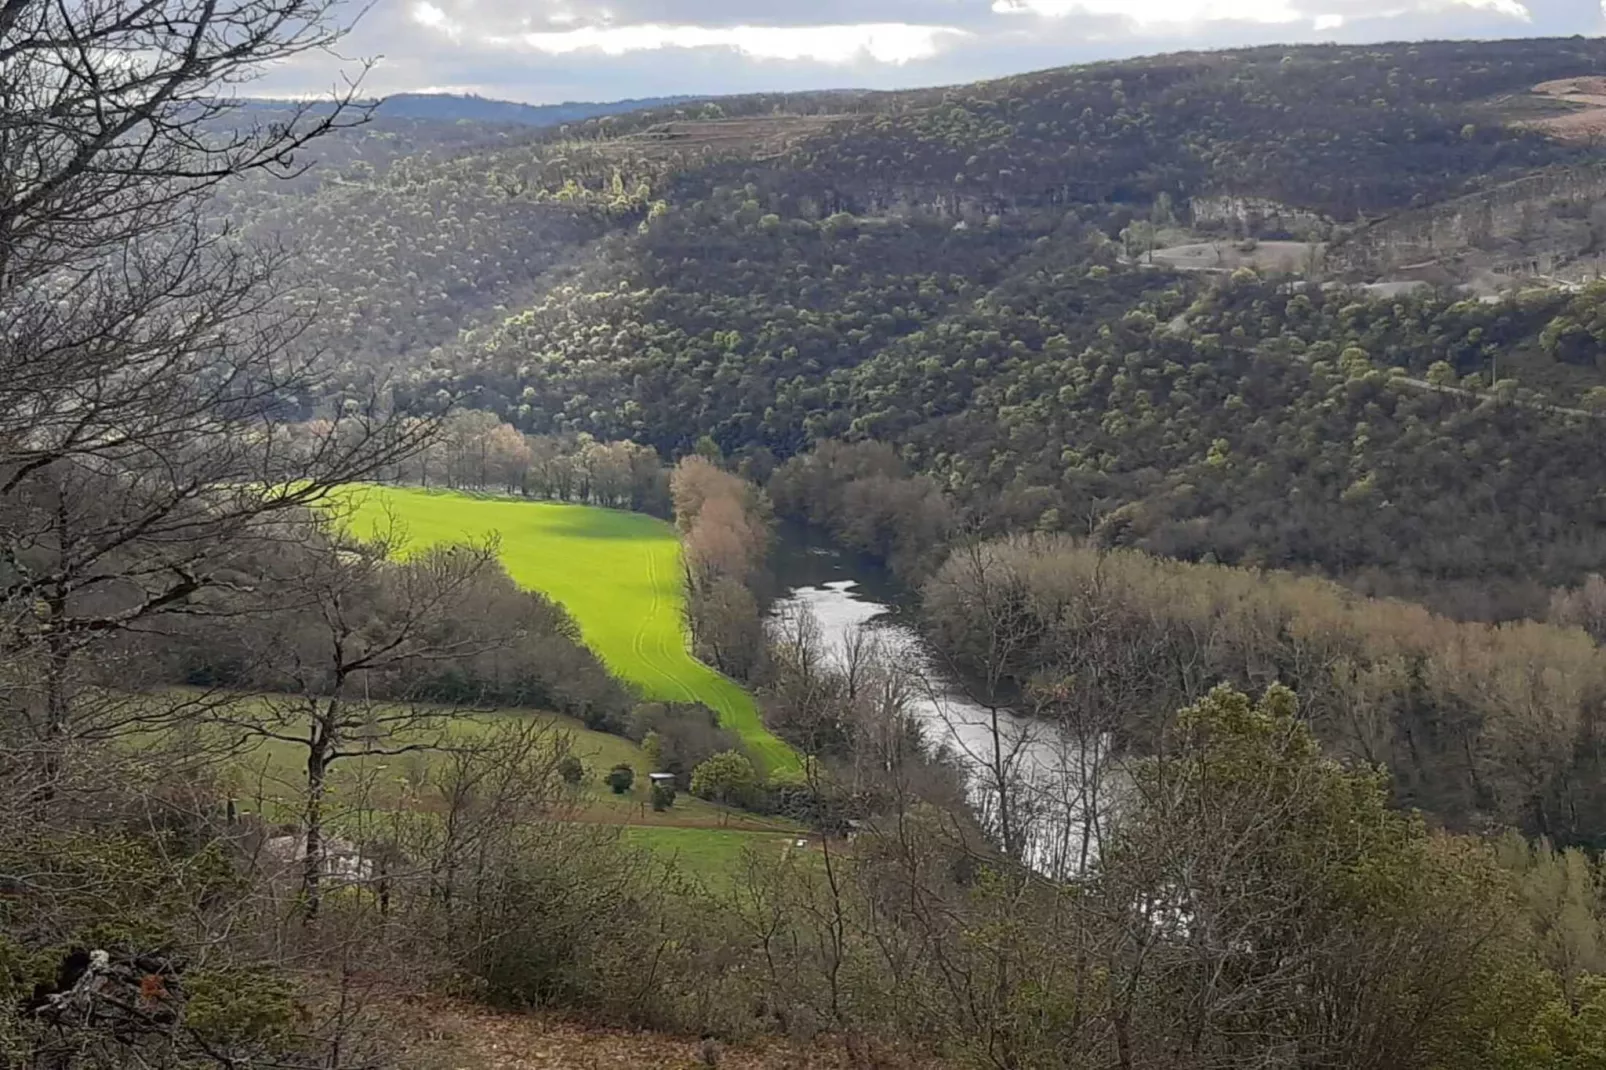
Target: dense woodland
(774,272)
(1480,725)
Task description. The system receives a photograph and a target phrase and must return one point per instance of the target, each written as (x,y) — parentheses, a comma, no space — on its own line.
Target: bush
(663,797)
(564,923)
(679,737)
(727,777)
(621,778)
(571,769)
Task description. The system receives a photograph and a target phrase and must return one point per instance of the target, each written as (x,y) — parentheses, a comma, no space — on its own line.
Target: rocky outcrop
(1257,217)
(1551,223)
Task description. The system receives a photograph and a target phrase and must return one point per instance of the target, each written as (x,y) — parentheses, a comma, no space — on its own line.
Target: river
(848,595)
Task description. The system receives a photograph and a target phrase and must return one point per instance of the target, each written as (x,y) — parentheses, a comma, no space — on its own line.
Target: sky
(548,51)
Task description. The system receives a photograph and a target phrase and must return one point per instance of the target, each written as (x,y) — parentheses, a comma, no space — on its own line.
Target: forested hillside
(965,274)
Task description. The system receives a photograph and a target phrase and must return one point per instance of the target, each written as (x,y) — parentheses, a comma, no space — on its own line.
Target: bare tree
(1582,607)
(475,804)
(146,364)
(363,623)
(990,596)
(805,688)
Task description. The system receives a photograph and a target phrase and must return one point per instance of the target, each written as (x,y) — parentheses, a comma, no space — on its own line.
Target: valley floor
(706,840)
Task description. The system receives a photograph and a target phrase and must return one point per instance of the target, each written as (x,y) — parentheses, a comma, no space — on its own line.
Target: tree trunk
(58,656)
(1006,822)
(313,855)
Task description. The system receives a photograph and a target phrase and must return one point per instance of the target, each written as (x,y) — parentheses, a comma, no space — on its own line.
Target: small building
(343,860)
(662,794)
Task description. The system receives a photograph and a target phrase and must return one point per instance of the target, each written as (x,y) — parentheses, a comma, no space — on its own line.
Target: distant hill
(455,107)
(452,107)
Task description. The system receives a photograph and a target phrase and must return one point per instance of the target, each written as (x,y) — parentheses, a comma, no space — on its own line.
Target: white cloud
(431,17)
(890,42)
(1508,8)
(1149,13)
(554,50)
(1156,12)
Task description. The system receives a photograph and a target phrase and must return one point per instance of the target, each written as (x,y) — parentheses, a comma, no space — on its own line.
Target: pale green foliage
(1562,896)
(1283,848)
(727,777)
(1441,373)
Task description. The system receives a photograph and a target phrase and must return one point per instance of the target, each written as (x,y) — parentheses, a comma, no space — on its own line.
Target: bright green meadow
(617,573)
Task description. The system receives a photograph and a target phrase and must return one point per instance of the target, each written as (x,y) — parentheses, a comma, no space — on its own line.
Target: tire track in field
(654,659)
(723,696)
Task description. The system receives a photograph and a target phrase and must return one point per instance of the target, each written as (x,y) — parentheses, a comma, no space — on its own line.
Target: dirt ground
(454,1036)
(1290,256)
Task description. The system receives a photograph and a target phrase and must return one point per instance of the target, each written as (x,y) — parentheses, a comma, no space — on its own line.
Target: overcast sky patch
(895,43)
(545,51)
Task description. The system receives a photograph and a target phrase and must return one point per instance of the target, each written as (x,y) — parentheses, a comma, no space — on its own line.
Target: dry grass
(1587,95)
(1588,89)
(1292,257)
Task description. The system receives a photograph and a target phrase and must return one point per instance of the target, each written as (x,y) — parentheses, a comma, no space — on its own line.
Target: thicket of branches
(1479,724)
(161,521)
(1251,903)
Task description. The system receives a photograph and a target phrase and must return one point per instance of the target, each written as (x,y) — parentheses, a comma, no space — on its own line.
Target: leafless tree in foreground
(998,747)
(148,372)
(146,364)
(365,624)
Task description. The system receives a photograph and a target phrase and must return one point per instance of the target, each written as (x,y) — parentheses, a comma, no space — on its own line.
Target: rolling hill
(471,108)
(968,274)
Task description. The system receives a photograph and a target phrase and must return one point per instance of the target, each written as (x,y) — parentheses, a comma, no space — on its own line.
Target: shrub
(620,778)
(571,769)
(663,797)
(727,777)
(679,737)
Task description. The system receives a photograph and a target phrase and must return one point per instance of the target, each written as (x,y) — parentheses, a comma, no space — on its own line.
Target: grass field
(704,841)
(273,774)
(715,856)
(617,573)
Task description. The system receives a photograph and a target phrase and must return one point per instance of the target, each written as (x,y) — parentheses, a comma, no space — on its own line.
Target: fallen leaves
(468,1037)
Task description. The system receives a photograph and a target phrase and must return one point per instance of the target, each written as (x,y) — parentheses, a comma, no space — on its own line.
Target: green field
(617,573)
(714,856)
(273,775)
(703,840)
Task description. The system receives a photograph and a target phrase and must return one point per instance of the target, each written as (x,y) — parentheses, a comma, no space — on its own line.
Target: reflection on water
(950,715)
(1039,765)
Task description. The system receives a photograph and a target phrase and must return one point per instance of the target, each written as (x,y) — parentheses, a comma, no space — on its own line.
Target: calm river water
(848,595)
